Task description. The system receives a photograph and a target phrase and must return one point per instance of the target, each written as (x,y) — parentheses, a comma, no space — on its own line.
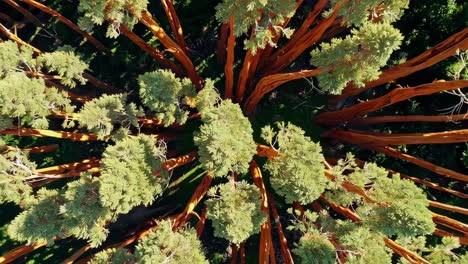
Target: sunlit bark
(175,23)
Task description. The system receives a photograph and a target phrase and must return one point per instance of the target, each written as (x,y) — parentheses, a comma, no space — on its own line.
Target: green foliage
(167,96)
(12,56)
(442,253)
(297,173)
(400,208)
(160,246)
(96,12)
(315,248)
(84,215)
(21,96)
(336,193)
(101,114)
(41,222)
(235,211)
(220,152)
(357,12)
(113,255)
(365,246)
(371,45)
(249,14)
(167,246)
(126,177)
(207,97)
(66,64)
(14,168)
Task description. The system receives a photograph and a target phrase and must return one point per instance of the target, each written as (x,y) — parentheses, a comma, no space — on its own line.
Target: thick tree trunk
(222,42)
(303,43)
(147,19)
(228,67)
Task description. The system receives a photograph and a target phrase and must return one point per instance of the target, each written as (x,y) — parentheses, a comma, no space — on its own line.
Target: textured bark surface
(228,67)
(175,23)
(67,22)
(413,118)
(269,83)
(393,97)
(438,53)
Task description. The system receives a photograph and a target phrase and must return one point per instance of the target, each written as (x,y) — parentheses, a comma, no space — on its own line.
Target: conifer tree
(167,96)
(235,211)
(360,207)
(296,179)
(219,151)
(102,114)
(127,168)
(371,45)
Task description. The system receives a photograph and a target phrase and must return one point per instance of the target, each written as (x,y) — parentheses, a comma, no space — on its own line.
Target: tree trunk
(175,23)
(228,67)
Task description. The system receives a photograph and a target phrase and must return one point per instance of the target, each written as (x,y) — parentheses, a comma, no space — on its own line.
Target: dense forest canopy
(251,131)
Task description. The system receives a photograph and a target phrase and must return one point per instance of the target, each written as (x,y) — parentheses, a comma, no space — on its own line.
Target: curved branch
(439,52)
(269,83)
(412,118)
(384,139)
(393,97)
(175,23)
(67,22)
(147,19)
(153,52)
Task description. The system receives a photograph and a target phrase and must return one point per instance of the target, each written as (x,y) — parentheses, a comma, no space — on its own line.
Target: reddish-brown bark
(287,257)
(28,15)
(440,52)
(269,83)
(393,97)
(266,239)
(197,196)
(450,223)
(68,23)
(303,43)
(172,47)
(442,233)
(153,52)
(422,163)
(30,132)
(449,207)
(202,222)
(222,42)
(14,254)
(413,118)
(228,67)
(77,254)
(384,139)
(173,163)
(175,23)
(297,36)
(34,150)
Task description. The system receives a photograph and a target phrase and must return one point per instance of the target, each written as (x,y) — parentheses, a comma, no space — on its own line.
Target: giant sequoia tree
(152,124)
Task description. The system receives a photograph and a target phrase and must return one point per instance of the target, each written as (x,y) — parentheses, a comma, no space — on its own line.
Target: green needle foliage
(42,221)
(404,211)
(315,248)
(102,114)
(14,168)
(371,45)
(234,210)
(220,152)
(127,169)
(167,246)
(356,12)
(29,98)
(96,12)
(66,64)
(297,173)
(247,15)
(12,56)
(160,246)
(167,96)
